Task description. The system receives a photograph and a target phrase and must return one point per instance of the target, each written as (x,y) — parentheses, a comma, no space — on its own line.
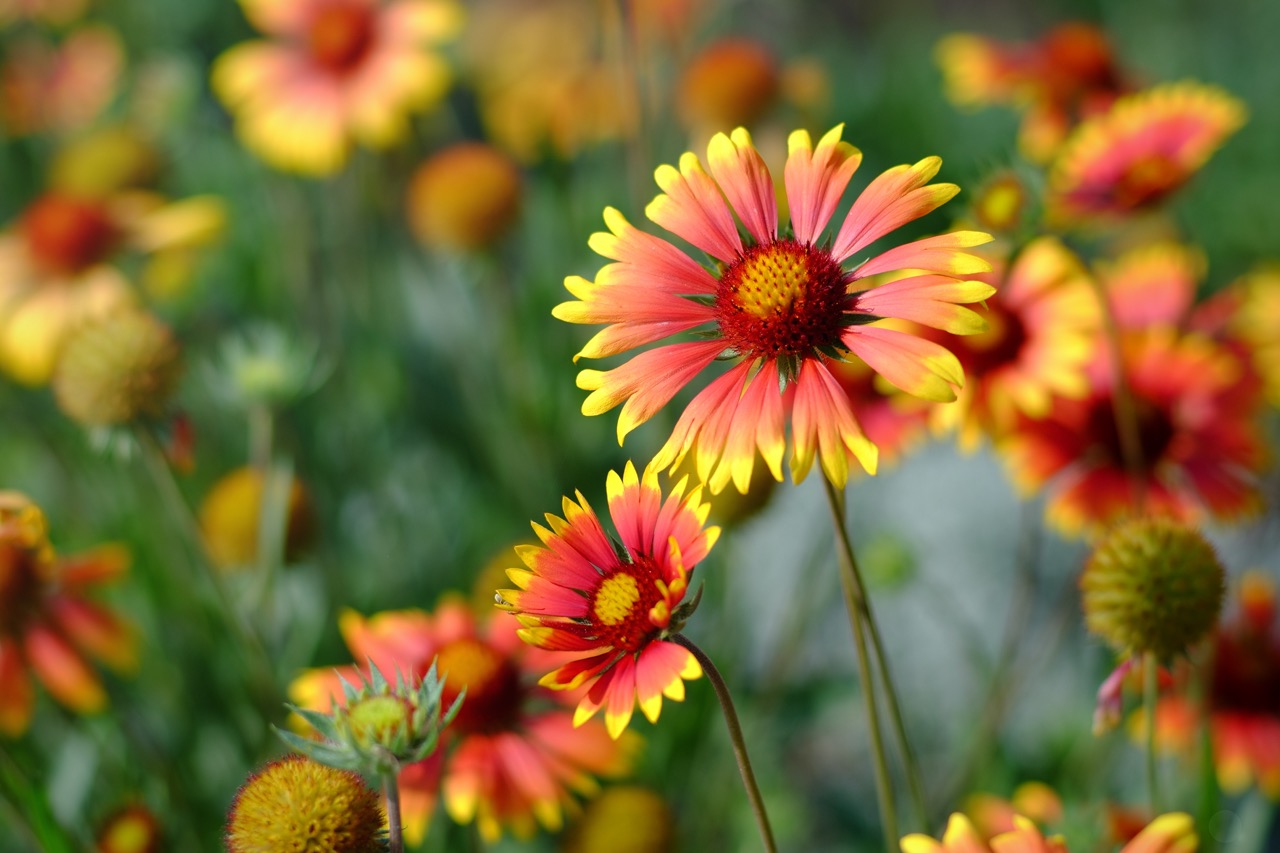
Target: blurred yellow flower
(463,197)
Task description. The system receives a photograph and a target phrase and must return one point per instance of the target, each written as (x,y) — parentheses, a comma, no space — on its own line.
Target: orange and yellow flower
(1067,74)
(1198,437)
(512,758)
(615,606)
(1144,147)
(1243,697)
(783,305)
(1256,323)
(1042,332)
(1169,833)
(334,72)
(47,626)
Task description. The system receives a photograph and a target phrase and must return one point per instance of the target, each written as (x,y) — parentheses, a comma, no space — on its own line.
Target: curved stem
(855,603)
(736,738)
(395,832)
(1150,695)
(1123,405)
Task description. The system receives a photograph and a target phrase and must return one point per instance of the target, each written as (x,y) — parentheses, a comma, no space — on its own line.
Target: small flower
(1257,323)
(623,819)
(118,368)
(232,510)
(132,829)
(1152,586)
(512,758)
(380,727)
(295,804)
(265,365)
(464,197)
(614,604)
(334,72)
(780,307)
(729,83)
(64,87)
(1140,150)
(47,627)
(992,815)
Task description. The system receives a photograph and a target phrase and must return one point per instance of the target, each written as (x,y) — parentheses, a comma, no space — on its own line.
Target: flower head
(614,605)
(1042,333)
(1197,432)
(781,305)
(1169,833)
(117,368)
(334,72)
(623,819)
(1065,75)
(132,829)
(730,82)
(512,758)
(295,803)
(1242,704)
(1140,150)
(464,197)
(44,87)
(232,510)
(47,627)
(1152,585)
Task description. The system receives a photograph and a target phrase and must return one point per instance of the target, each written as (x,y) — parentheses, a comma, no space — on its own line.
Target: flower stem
(855,601)
(395,832)
(736,738)
(1124,407)
(1150,695)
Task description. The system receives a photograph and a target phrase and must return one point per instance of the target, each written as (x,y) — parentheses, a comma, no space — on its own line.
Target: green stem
(855,599)
(395,832)
(736,738)
(1151,695)
(914,785)
(1123,406)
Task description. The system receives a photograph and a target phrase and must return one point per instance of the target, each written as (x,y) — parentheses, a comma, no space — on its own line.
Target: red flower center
(23,572)
(66,234)
(494,693)
(620,605)
(1147,180)
(782,299)
(340,35)
(999,346)
(1155,432)
(1246,673)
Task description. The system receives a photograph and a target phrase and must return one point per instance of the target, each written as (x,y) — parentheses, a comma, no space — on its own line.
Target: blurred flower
(117,368)
(295,803)
(730,82)
(57,265)
(464,197)
(231,512)
(615,605)
(512,756)
(1140,150)
(46,88)
(1043,328)
(1199,438)
(47,626)
(623,819)
(1152,585)
(132,829)
(1067,74)
(261,364)
(333,73)
(784,306)
(1243,696)
(1169,833)
(1152,284)
(1000,204)
(992,815)
(541,84)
